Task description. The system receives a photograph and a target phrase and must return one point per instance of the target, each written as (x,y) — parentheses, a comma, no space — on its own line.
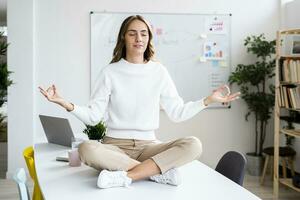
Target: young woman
(131,90)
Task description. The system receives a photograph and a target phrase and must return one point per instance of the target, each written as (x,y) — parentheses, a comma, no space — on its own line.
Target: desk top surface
(60,181)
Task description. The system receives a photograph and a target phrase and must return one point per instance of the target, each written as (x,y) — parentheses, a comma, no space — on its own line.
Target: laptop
(57,130)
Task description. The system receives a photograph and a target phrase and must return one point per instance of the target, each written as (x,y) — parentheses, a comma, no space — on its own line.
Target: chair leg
(291,164)
(262,178)
(283,167)
(37,193)
(272,167)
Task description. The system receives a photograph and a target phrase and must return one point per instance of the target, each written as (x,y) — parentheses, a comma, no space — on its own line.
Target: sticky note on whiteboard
(203,36)
(202,59)
(215,63)
(223,63)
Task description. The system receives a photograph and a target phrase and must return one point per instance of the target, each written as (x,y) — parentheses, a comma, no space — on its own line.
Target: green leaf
(96,132)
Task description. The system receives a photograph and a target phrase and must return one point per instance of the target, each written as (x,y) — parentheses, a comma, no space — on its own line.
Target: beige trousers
(121,154)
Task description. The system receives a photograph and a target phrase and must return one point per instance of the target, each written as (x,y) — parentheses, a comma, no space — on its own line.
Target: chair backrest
(20,178)
(28,154)
(232,165)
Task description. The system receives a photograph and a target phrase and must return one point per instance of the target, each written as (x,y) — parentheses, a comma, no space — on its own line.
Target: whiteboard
(195,48)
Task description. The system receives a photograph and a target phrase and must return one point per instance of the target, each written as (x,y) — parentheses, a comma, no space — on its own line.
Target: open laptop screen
(57,130)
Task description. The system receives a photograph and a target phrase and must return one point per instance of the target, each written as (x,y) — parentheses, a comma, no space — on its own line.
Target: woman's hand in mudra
(221,95)
(53,96)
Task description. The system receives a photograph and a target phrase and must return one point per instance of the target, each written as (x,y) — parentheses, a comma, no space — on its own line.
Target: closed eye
(135,32)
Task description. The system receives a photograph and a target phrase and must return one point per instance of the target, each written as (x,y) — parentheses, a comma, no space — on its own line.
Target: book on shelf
(297,97)
(290,70)
(297,64)
(282,102)
(289,96)
(285,97)
(278,96)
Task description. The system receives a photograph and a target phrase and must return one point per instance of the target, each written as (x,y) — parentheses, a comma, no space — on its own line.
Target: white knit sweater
(128,97)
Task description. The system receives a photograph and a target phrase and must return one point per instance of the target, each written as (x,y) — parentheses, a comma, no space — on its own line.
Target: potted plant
(257,91)
(3,128)
(4,83)
(96,132)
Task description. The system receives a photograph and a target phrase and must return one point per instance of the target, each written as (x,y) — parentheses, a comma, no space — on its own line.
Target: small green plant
(96,132)
(256,89)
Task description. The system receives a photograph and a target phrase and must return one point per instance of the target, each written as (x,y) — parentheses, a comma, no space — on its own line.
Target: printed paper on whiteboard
(215,25)
(214,51)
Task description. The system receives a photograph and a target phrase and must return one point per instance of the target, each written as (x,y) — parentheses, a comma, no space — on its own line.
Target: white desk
(60,181)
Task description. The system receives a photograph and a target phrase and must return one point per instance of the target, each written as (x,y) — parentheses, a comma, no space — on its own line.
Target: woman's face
(136,38)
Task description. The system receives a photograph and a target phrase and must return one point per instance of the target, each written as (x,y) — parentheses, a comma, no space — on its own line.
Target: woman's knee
(86,148)
(194,146)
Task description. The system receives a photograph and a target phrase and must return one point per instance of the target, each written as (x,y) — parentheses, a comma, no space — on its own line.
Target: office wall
(291,15)
(21,96)
(61,55)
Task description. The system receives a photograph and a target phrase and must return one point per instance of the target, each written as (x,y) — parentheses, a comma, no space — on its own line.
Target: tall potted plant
(257,91)
(4,83)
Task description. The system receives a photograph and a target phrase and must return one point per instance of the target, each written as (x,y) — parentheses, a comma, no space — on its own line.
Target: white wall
(291,15)
(62,56)
(21,96)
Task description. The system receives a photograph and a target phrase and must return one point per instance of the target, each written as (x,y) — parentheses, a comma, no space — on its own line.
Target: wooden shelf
(290,31)
(289,56)
(292,109)
(294,132)
(278,110)
(289,83)
(288,182)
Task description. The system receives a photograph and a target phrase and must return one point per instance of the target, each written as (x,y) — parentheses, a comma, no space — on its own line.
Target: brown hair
(120,49)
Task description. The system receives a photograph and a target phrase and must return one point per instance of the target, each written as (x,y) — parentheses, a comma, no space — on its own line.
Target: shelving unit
(280,57)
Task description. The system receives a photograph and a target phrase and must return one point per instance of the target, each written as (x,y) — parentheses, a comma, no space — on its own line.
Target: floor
(9,191)
(265,192)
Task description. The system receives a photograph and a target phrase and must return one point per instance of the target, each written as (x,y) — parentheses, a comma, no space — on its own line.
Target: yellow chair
(28,154)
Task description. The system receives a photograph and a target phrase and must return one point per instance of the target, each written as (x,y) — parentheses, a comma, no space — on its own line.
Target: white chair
(20,178)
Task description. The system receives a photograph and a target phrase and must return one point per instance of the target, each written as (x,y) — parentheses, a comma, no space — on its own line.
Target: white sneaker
(109,179)
(171,177)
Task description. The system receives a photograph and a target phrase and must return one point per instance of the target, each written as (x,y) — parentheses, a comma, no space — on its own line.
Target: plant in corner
(96,132)
(257,91)
(4,83)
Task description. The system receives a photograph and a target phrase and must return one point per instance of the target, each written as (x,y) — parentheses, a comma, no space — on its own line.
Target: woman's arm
(94,111)
(173,104)
(221,95)
(175,107)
